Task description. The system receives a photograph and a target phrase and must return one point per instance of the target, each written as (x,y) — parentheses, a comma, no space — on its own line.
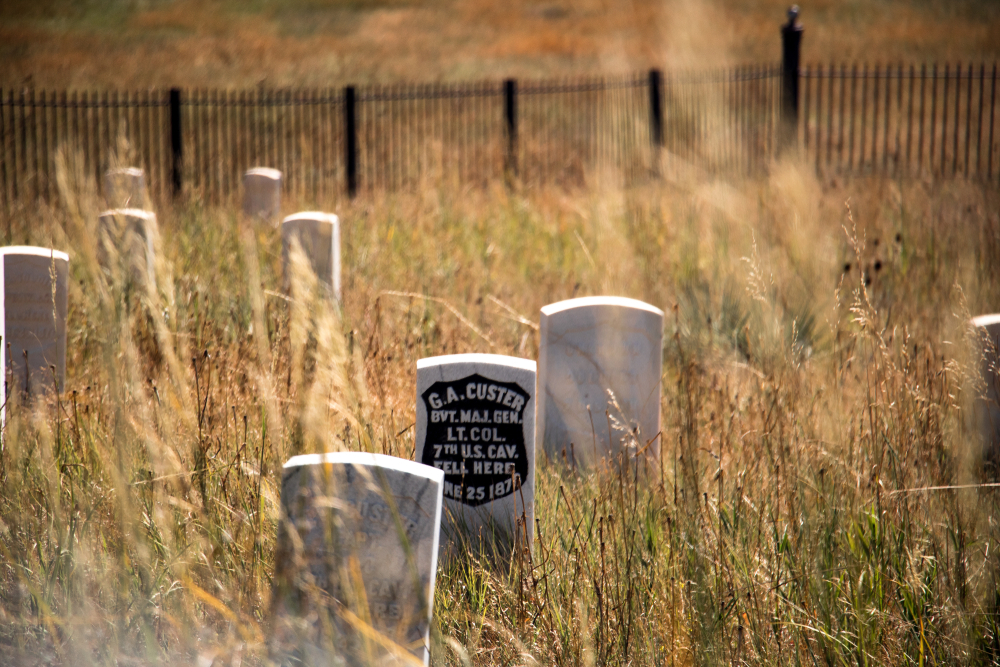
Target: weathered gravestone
(986,408)
(319,236)
(262,193)
(599,366)
(356,560)
(33,282)
(476,422)
(125,187)
(127,238)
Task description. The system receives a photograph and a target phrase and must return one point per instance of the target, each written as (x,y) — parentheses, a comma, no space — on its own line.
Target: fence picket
(4,138)
(944,118)
(46,142)
(214,151)
(909,123)
(5,198)
(31,143)
(864,116)
(104,143)
(979,125)
(968,118)
(958,108)
(920,125)
(993,99)
(19,169)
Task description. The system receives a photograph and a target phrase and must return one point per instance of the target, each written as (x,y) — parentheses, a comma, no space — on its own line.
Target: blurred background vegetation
(239,44)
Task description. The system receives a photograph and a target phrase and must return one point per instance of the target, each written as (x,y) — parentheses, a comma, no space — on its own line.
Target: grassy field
(816,383)
(819,500)
(229,44)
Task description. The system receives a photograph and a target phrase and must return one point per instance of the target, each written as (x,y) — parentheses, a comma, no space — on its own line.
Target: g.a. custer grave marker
(318,234)
(357,552)
(262,193)
(986,408)
(129,236)
(33,283)
(587,347)
(476,422)
(125,187)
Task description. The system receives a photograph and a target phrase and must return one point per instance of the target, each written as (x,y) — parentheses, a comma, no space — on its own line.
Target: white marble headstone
(319,235)
(591,349)
(987,408)
(125,187)
(262,193)
(128,237)
(356,559)
(476,422)
(33,282)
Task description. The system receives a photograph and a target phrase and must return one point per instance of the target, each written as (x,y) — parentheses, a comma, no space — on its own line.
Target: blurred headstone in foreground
(356,560)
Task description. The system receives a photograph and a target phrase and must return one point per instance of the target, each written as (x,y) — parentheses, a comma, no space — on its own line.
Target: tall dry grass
(815,392)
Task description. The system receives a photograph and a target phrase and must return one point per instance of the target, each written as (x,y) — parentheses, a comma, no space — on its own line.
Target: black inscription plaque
(475,434)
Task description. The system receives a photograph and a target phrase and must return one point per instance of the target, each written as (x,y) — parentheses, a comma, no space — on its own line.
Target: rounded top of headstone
(367,459)
(315,216)
(33,250)
(475,358)
(266,172)
(126,171)
(986,320)
(130,212)
(592,301)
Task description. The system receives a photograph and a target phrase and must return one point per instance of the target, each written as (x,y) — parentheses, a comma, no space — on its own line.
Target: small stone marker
(262,193)
(356,559)
(33,282)
(319,235)
(476,422)
(125,187)
(987,409)
(130,236)
(589,346)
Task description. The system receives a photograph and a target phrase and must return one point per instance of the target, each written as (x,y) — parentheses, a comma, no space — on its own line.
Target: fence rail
(926,120)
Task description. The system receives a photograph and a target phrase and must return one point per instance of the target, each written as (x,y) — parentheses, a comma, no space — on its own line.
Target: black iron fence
(927,120)
(34,125)
(387,138)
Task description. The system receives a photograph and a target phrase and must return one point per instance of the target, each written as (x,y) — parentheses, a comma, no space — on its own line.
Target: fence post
(350,141)
(791,49)
(175,138)
(510,116)
(656,107)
